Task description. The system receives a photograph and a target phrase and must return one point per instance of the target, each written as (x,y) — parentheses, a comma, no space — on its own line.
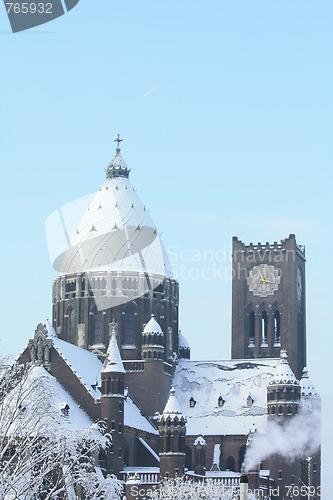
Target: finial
(118,141)
(283,356)
(113,328)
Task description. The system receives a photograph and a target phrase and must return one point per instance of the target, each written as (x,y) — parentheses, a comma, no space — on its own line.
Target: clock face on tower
(263,280)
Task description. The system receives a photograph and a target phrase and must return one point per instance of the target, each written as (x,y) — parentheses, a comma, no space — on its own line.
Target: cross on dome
(117,167)
(118,141)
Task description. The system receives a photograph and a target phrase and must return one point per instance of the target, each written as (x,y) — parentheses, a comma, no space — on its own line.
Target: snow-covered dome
(283,373)
(152,327)
(115,232)
(307,387)
(183,341)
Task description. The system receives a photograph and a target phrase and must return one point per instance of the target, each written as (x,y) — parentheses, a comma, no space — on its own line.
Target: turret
(112,403)
(310,397)
(152,340)
(283,390)
(172,429)
(184,348)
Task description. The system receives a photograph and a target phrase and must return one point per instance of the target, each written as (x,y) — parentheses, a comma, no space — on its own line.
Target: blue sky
(226,111)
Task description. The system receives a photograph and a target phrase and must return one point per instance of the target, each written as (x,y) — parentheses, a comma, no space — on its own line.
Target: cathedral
(115,347)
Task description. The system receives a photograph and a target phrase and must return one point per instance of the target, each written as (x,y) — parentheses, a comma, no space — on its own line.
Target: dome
(283,373)
(183,341)
(152,327)
(115,232)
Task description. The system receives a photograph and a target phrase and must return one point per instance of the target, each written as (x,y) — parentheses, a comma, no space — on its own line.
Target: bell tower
(268,301)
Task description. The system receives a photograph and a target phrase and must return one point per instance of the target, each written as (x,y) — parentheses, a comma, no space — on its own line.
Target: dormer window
(220,401)
(192,402)
(249,400)
(64,407)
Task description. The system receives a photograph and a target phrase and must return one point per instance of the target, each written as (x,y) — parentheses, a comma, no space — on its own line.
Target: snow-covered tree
(45,453)
(180,489)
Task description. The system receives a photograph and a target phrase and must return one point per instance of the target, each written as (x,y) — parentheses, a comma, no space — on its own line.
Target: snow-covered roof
(115,233)
(113,362)
(283,373)
(152,327)
(307,387)
(88,368)
(44,396)
(84,364)
(134,418)
(206,380)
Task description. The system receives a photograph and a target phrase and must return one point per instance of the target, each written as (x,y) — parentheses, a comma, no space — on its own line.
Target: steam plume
(298,436)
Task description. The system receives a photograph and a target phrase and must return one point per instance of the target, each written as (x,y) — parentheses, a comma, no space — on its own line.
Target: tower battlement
(286,246)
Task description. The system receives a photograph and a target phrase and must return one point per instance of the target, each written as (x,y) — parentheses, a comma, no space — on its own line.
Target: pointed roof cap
(283,373)
(172,407)
(307,387)
(152,327)
(113,362)
(117,167)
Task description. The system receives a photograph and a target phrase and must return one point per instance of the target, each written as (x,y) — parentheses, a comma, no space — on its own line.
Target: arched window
(264,326)
(176,441)
(98,327)
(168,442)
(230,464)
(241,454)
(277,328)
(251,329)
(70,325)
(188,457)
(129,326)
(181,443)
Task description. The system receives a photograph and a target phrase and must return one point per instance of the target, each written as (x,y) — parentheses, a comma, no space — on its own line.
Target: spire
(113,362)
(117,167)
